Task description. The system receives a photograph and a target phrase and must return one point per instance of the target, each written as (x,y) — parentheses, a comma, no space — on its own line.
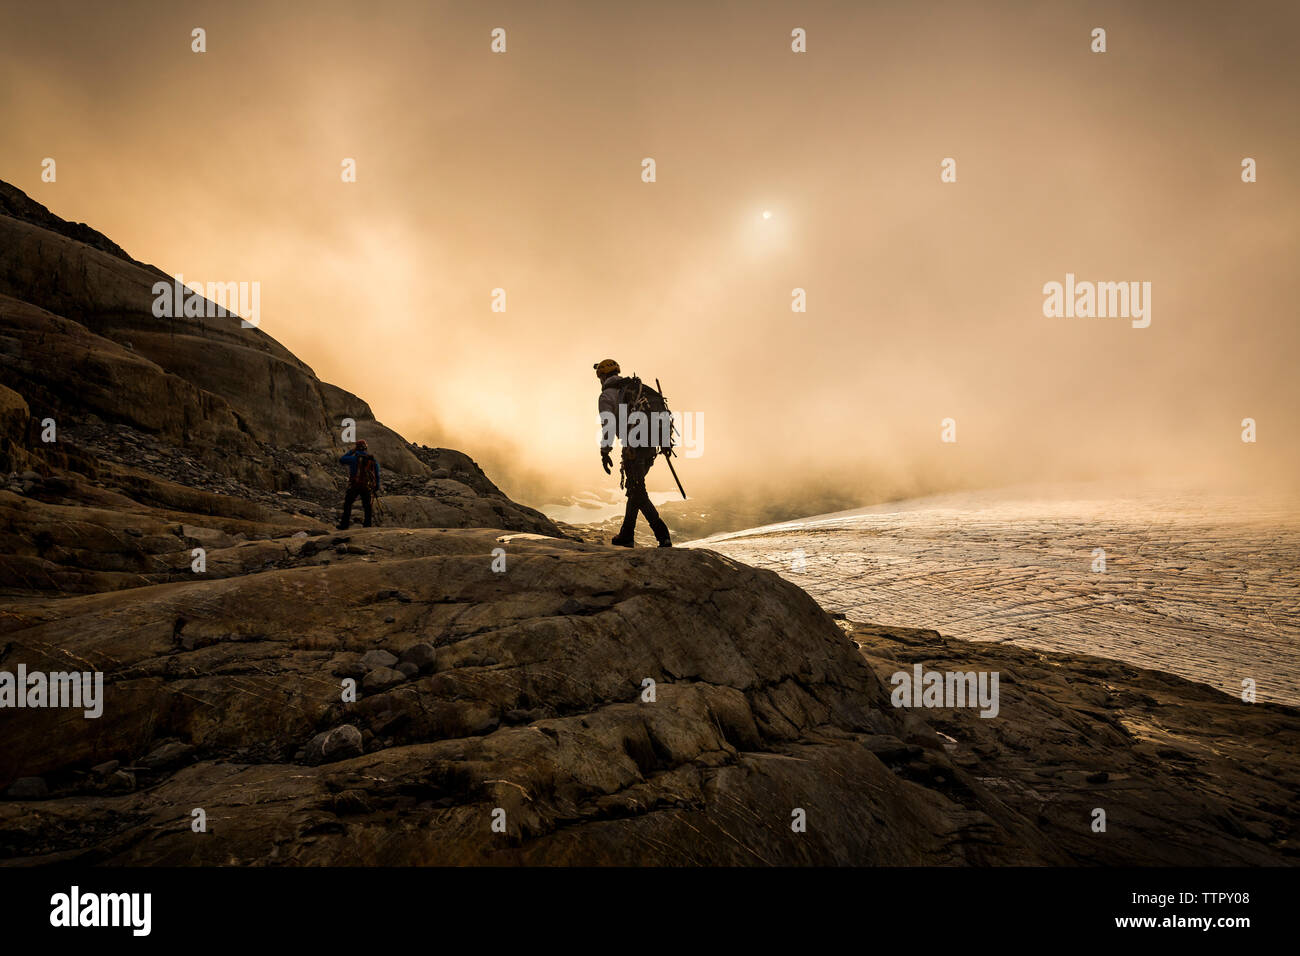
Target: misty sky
(523,171)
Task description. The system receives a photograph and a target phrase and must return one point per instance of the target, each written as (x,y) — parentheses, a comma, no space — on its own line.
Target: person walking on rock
(638,454)
(363,481)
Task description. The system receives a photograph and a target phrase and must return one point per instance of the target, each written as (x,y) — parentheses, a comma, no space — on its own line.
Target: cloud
(522,172)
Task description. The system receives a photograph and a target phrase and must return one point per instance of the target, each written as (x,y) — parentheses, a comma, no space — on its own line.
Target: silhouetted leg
(350,497)
(656,523)
(634,466)
(629,521)
(365,506)
(648,508)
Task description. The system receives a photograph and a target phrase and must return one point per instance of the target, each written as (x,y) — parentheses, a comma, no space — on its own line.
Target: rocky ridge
(196,427)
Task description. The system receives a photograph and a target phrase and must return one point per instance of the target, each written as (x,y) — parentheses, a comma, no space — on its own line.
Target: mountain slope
(154,409)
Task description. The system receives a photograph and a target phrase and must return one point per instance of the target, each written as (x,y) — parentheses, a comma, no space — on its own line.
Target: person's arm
(376,474)
(348,457)
(608,407)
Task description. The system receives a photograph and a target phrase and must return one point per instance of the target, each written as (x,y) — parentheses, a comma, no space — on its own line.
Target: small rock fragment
(377,658)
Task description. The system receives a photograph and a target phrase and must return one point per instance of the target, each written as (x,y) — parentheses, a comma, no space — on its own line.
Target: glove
(606,460)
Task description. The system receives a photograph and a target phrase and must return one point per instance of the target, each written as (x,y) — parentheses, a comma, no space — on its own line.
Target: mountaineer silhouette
(363,481)
(637,416)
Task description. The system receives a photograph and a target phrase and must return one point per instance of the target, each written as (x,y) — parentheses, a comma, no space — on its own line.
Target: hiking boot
(665,543)
(621,542)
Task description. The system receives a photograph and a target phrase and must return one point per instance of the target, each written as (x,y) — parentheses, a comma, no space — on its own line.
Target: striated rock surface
(528,698)
(520,697)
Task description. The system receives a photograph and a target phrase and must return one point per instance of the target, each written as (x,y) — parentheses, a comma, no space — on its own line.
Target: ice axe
(668,452)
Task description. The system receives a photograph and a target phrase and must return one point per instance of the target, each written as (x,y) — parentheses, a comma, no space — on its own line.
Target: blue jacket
(352,459)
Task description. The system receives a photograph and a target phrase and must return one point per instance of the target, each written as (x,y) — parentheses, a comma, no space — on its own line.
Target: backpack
(365,478)
(636,396)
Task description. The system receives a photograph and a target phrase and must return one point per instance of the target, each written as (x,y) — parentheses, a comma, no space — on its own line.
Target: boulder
(341,743)
(378,658)
(421,655)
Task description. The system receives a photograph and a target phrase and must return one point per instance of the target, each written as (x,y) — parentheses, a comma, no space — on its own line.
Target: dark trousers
(351,496)
(636,464)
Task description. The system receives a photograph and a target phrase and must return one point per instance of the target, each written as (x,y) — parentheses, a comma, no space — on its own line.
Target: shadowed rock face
(523,691)
(1186,775)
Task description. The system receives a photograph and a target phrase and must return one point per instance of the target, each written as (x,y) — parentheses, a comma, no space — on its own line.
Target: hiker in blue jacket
(363,480)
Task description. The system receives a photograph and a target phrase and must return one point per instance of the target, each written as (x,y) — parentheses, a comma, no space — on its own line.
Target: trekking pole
(669,460)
